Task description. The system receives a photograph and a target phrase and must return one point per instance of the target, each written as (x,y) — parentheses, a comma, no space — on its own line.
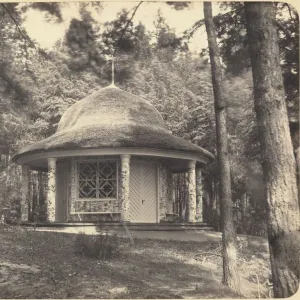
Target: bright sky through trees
(46,31)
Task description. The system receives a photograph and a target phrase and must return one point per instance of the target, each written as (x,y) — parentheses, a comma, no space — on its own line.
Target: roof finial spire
(112,71)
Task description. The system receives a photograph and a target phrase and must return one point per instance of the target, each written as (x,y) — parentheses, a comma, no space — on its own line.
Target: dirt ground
(36,264)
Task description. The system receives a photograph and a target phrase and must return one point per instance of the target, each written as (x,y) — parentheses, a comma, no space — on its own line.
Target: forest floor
(37,264)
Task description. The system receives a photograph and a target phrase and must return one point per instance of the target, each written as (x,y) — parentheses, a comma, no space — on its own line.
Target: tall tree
(276,148)
(230,273)
(234,46)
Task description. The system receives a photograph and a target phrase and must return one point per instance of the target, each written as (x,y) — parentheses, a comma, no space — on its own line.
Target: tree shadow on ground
(150,269)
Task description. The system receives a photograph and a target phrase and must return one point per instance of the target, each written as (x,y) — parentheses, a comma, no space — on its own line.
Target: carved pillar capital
(192,164)
(52,161)
(125,158)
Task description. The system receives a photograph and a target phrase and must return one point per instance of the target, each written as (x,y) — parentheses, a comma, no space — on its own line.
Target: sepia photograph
(149,150)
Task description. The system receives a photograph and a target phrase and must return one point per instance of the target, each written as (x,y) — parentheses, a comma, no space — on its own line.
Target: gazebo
(112,158)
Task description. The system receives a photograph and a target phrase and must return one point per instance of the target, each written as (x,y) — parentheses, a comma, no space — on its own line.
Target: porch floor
(179,235)
(79,226)
(167,231)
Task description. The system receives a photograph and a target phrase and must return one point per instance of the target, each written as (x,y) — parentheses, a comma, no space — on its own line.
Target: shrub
(102,246)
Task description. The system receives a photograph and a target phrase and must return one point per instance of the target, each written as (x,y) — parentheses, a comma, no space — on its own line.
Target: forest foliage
(37,85)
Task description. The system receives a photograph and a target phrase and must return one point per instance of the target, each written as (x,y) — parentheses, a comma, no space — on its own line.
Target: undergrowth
(101,246)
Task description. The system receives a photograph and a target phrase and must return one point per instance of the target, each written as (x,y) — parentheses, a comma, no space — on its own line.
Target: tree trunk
(276,148)
(243,206)
(41,200)
(30,195)
(206,199)
(216,207)
(230,273)
(34,197)
(8,165)
(295,136)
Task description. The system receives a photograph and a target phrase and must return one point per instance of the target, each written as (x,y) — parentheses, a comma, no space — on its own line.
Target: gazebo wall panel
(62,182)
(96,206)
(97,218)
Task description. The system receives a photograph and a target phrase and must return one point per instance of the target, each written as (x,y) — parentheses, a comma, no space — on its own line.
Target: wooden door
(135,192)
(143,192)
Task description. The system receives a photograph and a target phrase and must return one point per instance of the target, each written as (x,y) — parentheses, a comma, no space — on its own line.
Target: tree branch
(126,26)
(281,27)
(290,11)
(25,37)
(189,33)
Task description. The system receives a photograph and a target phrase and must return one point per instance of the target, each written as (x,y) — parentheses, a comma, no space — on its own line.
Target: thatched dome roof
(109,118)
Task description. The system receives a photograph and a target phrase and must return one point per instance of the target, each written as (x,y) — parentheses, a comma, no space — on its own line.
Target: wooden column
(24,193)
(192,191)
(199,195)
(51,196)
(125,172)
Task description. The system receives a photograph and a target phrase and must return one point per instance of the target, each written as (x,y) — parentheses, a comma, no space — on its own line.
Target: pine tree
(276,148)
(230,273)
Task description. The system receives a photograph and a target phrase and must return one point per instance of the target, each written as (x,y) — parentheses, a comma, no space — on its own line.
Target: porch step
(171,228)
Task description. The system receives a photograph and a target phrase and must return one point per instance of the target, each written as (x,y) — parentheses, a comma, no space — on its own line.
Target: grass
(36,264)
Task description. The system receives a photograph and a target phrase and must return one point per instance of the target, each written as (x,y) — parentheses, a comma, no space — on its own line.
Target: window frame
(97,161)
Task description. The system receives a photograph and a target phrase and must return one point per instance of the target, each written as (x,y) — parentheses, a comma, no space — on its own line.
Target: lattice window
(97,180)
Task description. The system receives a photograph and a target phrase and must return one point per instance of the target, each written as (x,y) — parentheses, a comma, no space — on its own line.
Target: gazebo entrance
(143,192)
